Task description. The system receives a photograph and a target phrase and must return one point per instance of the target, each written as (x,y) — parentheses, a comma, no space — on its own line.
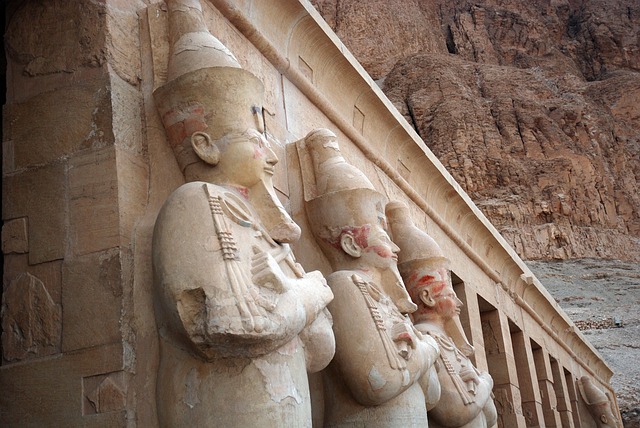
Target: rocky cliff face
(532,106)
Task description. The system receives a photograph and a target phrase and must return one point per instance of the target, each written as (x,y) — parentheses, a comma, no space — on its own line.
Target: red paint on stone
(381,251)
(359,233)
(182,122)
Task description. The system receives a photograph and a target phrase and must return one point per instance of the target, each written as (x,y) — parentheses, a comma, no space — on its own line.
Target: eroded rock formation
(530,106)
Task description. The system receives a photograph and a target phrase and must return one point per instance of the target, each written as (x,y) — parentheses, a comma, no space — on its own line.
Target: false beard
(393,286)
(274,218)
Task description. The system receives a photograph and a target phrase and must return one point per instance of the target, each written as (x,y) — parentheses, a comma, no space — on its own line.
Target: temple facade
(88,165)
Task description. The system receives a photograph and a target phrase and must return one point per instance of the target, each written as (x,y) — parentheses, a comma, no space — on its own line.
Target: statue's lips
(269,170)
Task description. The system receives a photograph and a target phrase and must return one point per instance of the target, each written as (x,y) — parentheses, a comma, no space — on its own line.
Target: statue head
(426,274)
(599,404)
(347,218)
(212,112)
(205,113)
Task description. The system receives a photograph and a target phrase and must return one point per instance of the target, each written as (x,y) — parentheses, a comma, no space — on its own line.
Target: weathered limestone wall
(87,167)
(75,187)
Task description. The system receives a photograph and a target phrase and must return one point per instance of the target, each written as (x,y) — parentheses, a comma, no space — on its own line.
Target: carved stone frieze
(31,320)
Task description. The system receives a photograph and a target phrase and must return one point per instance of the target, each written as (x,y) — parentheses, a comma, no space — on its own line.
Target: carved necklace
(395,361)
(465,389)
(245,295)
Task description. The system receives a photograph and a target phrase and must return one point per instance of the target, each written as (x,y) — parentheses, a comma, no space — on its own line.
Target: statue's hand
(405,338)
(324,293)
(266,272)
(469,374)
(486,378)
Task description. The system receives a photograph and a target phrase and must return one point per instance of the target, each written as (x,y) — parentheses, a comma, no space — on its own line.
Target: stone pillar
(469,297)
(502,367)
(75,184)
(562,395)
(547,393)
(531,401)
(573,397)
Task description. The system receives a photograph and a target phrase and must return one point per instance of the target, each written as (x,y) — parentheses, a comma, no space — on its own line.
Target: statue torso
(218,366)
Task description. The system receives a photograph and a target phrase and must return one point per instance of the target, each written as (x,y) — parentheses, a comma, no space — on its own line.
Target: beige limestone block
(126,105)
(31,324)
(527,380)
(122,38)
(562,394)
(133,192)
(57,36)
(41,132)
(51,389)
(508,405)
(14,236)
(156,24)
(139,326)
(40,195)
(164,176)
(91,300)
(49,273)
(93,201)
(301,114)
(104,393)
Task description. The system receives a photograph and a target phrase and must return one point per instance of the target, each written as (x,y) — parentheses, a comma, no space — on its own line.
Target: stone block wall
(75,184)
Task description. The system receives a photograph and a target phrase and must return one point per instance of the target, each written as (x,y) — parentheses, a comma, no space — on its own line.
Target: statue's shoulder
(347,278)
(348,283)
(193,192)
(198,198)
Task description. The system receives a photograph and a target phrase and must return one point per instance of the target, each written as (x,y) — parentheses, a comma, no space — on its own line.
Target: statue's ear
(205,148)
(350,246)
(426,298)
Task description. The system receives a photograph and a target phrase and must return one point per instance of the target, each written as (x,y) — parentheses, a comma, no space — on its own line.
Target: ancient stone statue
(465,399)
(373,379)
(598,403)
(240,322)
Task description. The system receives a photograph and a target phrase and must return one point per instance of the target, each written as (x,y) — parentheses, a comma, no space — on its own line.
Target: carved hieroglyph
(599,404)
(465,395)
(240,321)
(373,379)
(31,324)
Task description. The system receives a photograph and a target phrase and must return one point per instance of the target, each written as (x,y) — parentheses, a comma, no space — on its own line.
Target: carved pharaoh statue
(599,404)
(240,322)
(465,399)
(373,379)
